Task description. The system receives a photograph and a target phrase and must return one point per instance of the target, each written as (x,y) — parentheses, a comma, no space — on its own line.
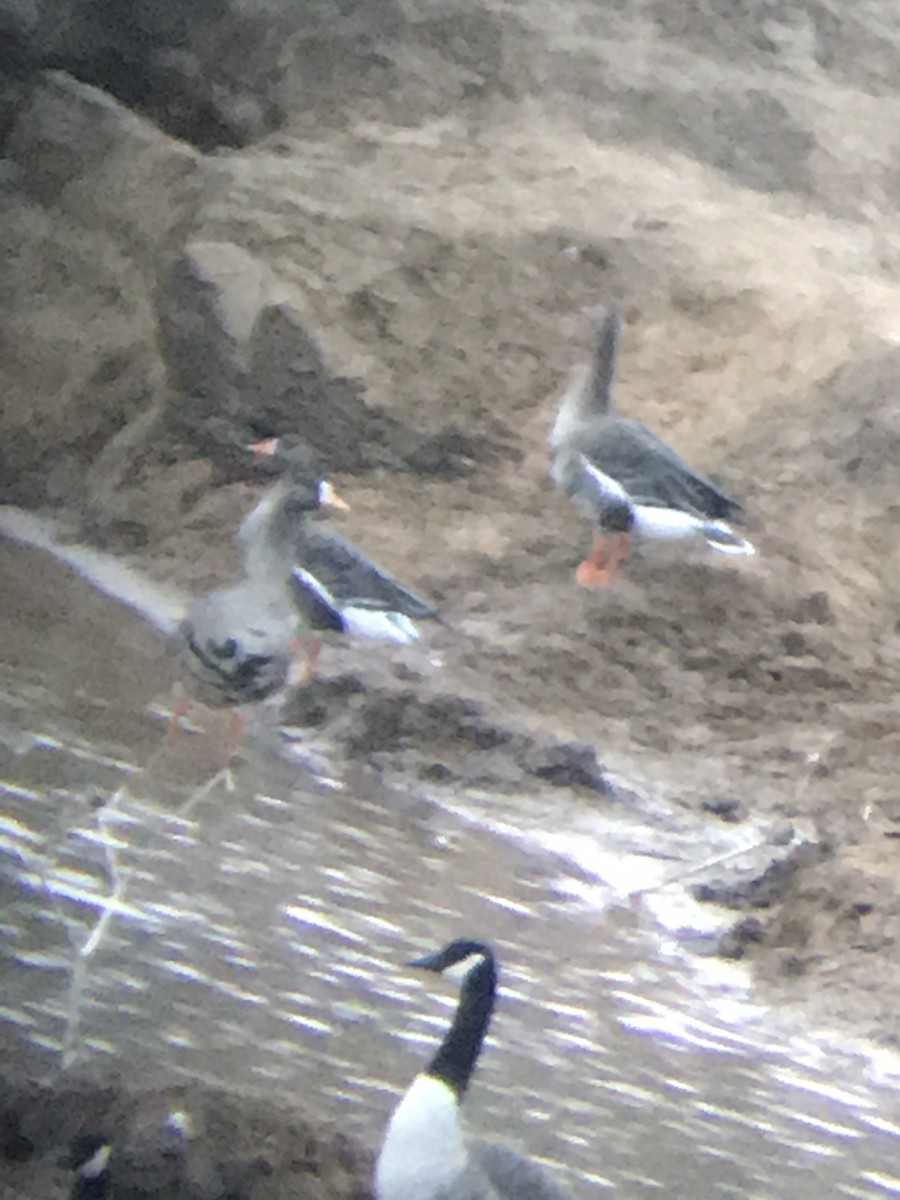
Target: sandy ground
(769,682)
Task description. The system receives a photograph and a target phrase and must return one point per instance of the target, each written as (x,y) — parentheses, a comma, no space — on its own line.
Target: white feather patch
(314,586)
(459,970)
(423,1151)
(378,624)
(666,524)
(720,536)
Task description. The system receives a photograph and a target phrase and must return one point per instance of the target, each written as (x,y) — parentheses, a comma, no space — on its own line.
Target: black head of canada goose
(623,477)
(424,1154)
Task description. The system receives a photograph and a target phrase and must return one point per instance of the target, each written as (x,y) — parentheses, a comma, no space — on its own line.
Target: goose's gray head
(293,459)
(311,496)
(456,960)
(280,513)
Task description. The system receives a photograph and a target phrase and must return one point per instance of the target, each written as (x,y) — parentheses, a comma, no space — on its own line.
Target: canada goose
(623,477)
(424,1154)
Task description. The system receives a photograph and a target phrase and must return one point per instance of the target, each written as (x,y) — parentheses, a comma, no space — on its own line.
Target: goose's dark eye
(299,505)
(227,649)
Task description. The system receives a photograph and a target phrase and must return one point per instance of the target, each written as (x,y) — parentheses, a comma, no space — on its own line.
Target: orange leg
(603,565)
(619,554)
(179,710)
(234,735)
(304,672)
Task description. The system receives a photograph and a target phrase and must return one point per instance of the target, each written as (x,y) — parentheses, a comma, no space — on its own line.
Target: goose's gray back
(351,576)
(652,472)
(512,1176)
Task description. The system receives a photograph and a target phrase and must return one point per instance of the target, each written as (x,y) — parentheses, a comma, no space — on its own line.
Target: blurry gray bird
(623,477)
(236,645)
(424,1154)
(335,585)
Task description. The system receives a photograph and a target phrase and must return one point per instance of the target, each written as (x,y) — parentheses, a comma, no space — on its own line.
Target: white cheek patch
(96,1164)
(458,972)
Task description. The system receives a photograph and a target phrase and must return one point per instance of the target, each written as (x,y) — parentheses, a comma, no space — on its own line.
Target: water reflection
(259,942)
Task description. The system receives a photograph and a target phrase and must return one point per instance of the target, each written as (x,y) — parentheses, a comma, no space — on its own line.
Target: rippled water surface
(259,939)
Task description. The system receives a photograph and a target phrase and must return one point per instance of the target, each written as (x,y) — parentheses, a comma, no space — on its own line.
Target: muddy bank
(384,235)
(230,1146)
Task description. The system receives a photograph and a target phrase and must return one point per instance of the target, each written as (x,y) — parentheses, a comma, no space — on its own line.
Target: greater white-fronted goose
(623,477)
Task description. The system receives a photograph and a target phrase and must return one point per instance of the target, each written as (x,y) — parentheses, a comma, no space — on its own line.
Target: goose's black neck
(458,1053)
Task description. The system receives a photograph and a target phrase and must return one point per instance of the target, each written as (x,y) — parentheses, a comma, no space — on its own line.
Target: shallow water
(259,939)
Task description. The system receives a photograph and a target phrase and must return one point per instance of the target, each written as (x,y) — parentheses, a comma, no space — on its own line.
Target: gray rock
(289,388)
(95,202)
(208,306)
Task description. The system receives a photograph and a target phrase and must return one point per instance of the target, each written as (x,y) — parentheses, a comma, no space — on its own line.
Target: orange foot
(603,566)
(177,713)
(304,658)
(234,735)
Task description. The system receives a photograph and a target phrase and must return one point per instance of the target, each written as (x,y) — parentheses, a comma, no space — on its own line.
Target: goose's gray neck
(596,395)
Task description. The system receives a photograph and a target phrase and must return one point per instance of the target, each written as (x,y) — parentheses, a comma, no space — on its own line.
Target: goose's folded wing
(317,607)
(352,577)
(652,472)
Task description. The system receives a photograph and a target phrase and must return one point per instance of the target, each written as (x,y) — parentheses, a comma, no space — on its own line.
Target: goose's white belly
(423,1150)
(666,524)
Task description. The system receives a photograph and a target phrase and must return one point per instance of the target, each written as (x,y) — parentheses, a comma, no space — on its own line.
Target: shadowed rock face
(376,225)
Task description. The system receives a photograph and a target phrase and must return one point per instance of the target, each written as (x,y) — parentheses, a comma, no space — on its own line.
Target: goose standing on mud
(623,477)
(328,574)
(424,1154)
(236,645)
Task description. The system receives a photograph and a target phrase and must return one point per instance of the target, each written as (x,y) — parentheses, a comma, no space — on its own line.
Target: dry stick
(110,905)
(224,776)
(716,861)
(812,760)
(85,952)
